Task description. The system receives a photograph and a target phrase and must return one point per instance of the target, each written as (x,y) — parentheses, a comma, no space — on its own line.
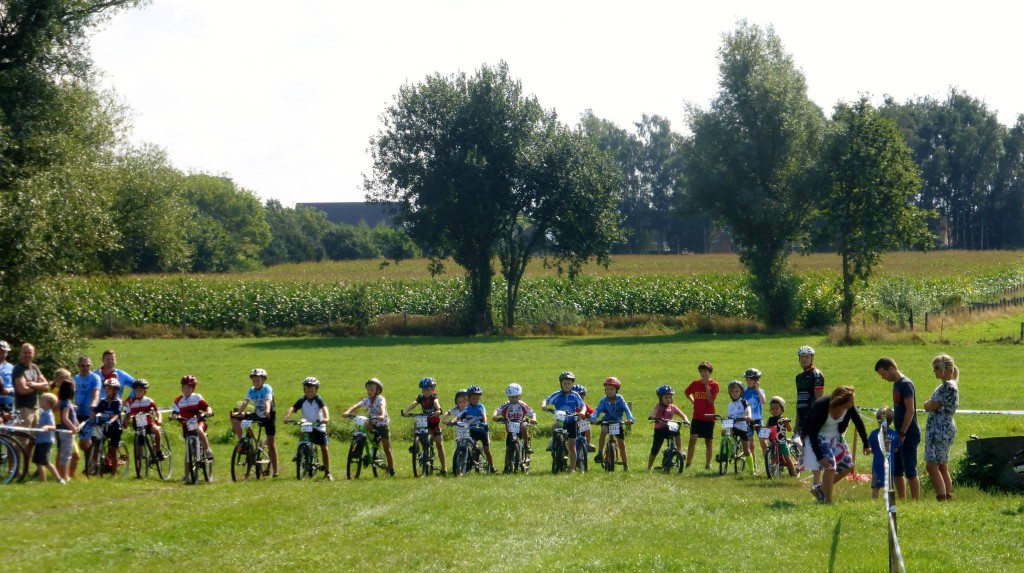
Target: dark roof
(353,213)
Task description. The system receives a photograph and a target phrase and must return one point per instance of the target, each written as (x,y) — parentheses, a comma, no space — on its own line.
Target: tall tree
(870,181)
(230,229)
(633,200)
(752,160)
(1007,198)
(296,234)
(472,165)
(661,177)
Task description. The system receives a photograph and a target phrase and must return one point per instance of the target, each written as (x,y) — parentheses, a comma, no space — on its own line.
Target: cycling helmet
(752,373)
(805,351)
(567,375)
(258,372)
(311,381)
(579,389)
(378,383)
(778,400)
(459,393)
(189,380)
(613,381)
(113,383)
(474,389)
(513,389)
(735,384)
(665,390)
(140,383)
(427,382)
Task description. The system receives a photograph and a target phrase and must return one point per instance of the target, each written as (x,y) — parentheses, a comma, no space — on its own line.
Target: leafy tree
(633,200)
(871,180)
(230,228)
(1007,197)
(350,242)
(661,176)
(752,158)
(464,158)
(296,234)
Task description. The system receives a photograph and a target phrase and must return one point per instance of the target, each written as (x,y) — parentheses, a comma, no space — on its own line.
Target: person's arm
(65,419)
(95,398)
(383,408)
(243,405)
(859,423)
(325,416)
(351,408)
(708,394)
(406,411)
(760,393)
(908,417)
(748,416)
(625,408)
(288,414)
(654,414)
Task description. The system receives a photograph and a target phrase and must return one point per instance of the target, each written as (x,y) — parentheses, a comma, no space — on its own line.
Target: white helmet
(258,372)
(805,351)
(513,389)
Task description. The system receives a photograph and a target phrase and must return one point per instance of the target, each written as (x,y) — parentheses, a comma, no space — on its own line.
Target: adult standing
(810,386)
(940,431)
(6,381)
(87,395)
(825,425)
(109,370)
(702,393)
(28,382)
(904,405)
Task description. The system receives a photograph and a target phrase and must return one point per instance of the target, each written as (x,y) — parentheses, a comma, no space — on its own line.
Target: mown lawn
(632,522)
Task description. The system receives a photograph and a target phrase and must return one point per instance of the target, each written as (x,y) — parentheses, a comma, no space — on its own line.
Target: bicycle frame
(195,452)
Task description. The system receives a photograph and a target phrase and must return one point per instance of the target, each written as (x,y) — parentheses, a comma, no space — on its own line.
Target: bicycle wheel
(241,461)
(163,458)
(417,470)
(355,460)
(94,459)
(309,462)
(300,459)
(515,457)
(460,460)
(724,454)
(739,461)
(428,457)
(191,459)
(582,451)
(772,467)
(680,462)
(558,453)
(262,461)
(796,454)
(10,460)
(206,465)
(668,460)
(140,455)
(122,459)
(377,460)
(609,455)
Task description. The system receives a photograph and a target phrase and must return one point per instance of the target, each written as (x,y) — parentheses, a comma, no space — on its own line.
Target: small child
(739,410)
(475,414)
(665,410)
(702,394)
(314,410)
(139,403)
(108,412)
(461,401)
(431,406)
(67,420)
(777,407)
(515,410)
(262,397)
(588,411)
(377,412)
(192,405)
(754,396)
(44,439)
(614,407)
(878,460)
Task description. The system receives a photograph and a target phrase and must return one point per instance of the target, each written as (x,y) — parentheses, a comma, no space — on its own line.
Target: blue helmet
(665,390)
(427,382)
(579,389)
(474,389)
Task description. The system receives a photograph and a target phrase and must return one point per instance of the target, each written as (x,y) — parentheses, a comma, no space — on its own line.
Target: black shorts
(269,424)
(318,437)
(382,432)
(743,435)
(660,435)
(703,428)
(41,455)
(481,434)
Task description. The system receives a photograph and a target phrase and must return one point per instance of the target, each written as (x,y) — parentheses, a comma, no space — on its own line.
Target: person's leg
(947,481)
(272,452)
(622,452)
(236,426)
(937,482)
(708,445)
(386,444)
(690,447)
(326,455)
(439,441)
(600,447)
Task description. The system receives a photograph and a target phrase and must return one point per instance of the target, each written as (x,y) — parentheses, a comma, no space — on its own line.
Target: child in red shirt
(702,394)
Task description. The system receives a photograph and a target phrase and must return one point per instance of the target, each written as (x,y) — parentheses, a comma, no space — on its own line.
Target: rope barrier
(33,430)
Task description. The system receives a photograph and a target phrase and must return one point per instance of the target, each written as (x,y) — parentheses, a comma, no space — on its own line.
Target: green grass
(631,522)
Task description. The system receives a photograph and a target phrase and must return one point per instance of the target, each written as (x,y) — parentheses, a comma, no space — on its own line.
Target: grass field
(630,522)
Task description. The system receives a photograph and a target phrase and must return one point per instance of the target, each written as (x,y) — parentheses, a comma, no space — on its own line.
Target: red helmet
(190,380)
(613,381)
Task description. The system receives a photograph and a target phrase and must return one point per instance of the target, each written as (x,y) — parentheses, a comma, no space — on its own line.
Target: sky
(283,97)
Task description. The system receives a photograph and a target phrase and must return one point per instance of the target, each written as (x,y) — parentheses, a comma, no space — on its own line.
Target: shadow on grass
(781,504)
(835,546)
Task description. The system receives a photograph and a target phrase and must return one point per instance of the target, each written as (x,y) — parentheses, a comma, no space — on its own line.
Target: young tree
(871,180)
(473,165)
(752,159)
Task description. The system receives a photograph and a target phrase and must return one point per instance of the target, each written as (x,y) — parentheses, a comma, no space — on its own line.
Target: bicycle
(358,458)
(517,457)
(307,457)
(422,448)
(774,460)
(97,462)
(672,457)
(250,452)
(146,454)
(730,449)
(13,460)
(196,460)
(560,442)
(468,455)
(611,446)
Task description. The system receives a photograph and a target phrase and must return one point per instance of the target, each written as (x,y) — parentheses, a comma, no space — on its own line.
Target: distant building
(354,213)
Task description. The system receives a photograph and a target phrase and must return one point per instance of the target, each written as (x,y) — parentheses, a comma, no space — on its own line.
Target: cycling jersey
(262,400)
(189,407)
(310,409)
(753,397)
(807,382)
(571,402)
(475,413)
(515,411)
(430,403)
(123,378)
(737,410)
(613,409)
(375,407)
(135,406)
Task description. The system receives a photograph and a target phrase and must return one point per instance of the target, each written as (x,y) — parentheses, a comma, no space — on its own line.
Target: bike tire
(771,462)
(460,461)
(94,459)
(123,459)
(309,462)
(355,460)
(300,460)
(515,457)
(680,462)
(558,453)
(428,457)
(206,465)
(191,455)
(724,454)
(262,461)
(609,456)
(417,469)
(667,460)
(164,467)
(582,452)
(10,460)
(378,461)
(240,464)
(141,459)
(796,455)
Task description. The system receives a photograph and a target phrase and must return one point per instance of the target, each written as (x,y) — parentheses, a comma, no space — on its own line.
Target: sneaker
(209,455)
(443,473)
(817,493)
(328,476)
(528,450)
(598,459)
(591,448)
(61,481)
(391,472)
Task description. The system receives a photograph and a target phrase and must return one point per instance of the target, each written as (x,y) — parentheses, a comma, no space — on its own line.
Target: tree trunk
(847,294)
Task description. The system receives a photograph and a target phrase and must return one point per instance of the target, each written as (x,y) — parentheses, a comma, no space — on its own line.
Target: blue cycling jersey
(475,413)
(571,402)
(613,410)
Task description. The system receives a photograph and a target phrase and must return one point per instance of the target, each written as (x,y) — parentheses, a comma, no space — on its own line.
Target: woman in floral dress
(941,429)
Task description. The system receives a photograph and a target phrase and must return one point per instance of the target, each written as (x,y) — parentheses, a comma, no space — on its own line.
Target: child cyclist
(754,396)
(192,405)
(262,397)
(377,412)
(878,460)
(570,402)
(461,401)
(313,409)
(108,412)
(588,411)
(613,407)
(777,407)
(662,413)
(475,414)
(431,407)
(515,410)
(140,403)
(739,410)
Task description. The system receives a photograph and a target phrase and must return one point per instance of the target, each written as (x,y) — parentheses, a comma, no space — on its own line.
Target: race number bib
(513,427)
(560,416)
(764,433)
(614,429)
(583,425)
(141,420)
(306,427)
(97,431)
(192,424)
(728,423)
(421,422)
(246,424)
(673,427)
(462,432)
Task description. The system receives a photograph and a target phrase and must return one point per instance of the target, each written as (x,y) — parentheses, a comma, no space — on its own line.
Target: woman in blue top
(613,407)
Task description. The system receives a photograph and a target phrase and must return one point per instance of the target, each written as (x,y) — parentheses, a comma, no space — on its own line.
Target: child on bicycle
(664,411)
(461,401)
(613,407)
(777,406)
(108,412)
(739,411)
(754,396)
(515,410)
(475,414)
(570,402)
(314,410)
(139,403)
(192,405)
(44,439)
(878,460)
(588,411)
(430,405)
(377,412)
(262,397)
